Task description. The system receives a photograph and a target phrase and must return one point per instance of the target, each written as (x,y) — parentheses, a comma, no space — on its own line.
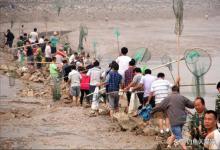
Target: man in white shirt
(33,36)
(74,81)
(48,55)
(160,88)
(123,61)
(212,140)
(146,82)
(95,74)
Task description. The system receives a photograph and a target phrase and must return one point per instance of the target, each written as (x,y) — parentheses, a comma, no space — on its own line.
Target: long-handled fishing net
(142,55)
(59,4)
(82,36)
(178,12)
(198,61)
(166,59)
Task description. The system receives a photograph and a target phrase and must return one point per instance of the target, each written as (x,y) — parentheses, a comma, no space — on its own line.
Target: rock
(33,77)
(93,113)
(12,68)
(19,72)
(64,96)
(41,79)
(3,67)
(30,93)
(121,116)
(128,125)
(103,111)
(26,76)
(23,69)
(149,131)
(38,73)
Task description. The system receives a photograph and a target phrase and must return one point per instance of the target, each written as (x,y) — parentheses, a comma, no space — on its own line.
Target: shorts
(177,131)
(75,91)
(113,99)
(160,114)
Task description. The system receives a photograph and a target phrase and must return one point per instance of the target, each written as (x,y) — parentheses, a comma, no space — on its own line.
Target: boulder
(121,116)
(128,125)
(12,68)
(26,76)
(30,93)
(33,77)
(3,67)
(149,131)
(103,111)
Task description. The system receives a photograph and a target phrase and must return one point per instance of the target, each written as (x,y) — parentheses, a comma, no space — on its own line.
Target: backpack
(145,112)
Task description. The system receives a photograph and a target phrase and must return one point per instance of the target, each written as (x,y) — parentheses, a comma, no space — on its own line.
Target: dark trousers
(128,95)
(91,90)
(82,96)
(152,101)
(141,97)
(9,43)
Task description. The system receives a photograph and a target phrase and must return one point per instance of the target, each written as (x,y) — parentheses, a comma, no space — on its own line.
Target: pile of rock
(128,123)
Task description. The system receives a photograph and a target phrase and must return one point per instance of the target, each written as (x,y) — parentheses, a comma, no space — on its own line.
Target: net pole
(118,46)
(197,86)
(178,51)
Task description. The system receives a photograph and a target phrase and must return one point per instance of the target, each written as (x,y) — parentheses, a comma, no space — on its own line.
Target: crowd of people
(83,76)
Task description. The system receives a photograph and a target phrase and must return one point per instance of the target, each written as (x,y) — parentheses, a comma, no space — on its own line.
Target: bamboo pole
(164,65)
(178,50)
(23,46)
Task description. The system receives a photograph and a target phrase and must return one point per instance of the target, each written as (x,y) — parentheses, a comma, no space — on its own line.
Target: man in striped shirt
(160,88)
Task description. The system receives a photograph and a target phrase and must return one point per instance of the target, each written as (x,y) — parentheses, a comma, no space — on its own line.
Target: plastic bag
(95,101)
(145,112)
(134,104)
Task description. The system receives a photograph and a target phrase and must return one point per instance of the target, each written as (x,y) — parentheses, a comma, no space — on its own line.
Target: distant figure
(54,41)
(22,30)
(42,44)
(48,56)
(33,36)
(10,38)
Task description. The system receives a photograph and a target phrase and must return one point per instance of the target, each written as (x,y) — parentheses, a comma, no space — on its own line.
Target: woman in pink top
(84,85)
